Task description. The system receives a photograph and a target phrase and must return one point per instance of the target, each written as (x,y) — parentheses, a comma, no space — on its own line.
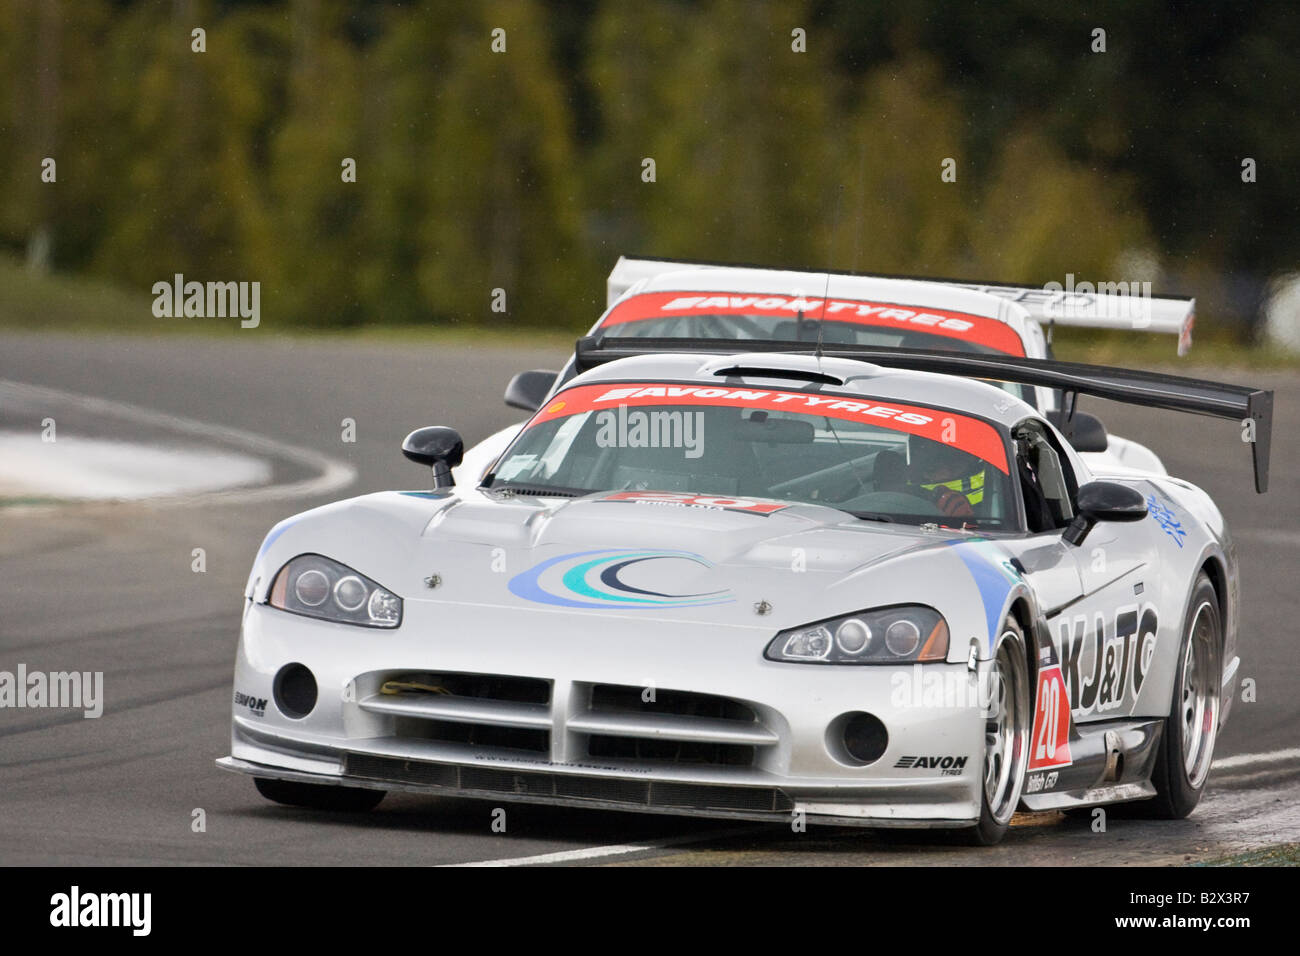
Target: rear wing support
(1252,407)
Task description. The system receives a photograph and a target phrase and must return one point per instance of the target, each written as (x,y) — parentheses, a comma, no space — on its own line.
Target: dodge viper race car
(666,298)
(794,581)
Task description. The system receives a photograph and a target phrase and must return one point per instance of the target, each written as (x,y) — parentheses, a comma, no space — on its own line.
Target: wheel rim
(1006,731)
(1198,689)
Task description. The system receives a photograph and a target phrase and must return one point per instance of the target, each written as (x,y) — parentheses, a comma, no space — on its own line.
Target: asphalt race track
(110,587)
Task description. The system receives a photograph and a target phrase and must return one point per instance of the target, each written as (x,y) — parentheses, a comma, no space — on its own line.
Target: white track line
(333,474)
(587,854)
(1255,760)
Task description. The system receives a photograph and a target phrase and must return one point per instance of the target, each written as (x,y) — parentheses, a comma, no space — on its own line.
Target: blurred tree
(1044,216)
(1181,94)
(501,187)
(900,214)
(523,169)
(739,125)
(190,197)
(321,244)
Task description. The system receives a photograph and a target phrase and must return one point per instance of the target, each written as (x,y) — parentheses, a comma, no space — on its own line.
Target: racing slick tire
(319,797)
(1006,740)
(1187,744)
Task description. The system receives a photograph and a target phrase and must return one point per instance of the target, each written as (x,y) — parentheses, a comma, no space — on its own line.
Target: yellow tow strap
(399,686)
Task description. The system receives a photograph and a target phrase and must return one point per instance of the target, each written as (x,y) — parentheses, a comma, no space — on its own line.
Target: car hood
(598,557)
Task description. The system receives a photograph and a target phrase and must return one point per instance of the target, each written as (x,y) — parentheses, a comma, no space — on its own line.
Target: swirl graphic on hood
(594,579)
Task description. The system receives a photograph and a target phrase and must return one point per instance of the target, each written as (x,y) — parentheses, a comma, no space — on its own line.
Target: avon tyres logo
(256,705)
(971,435)
(621,578)
(950,766)
(958,325)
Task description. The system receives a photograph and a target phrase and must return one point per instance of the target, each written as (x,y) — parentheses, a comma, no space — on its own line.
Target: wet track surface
(109,587)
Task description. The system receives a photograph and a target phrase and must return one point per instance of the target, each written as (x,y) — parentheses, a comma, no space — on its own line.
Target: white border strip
(619,849)
(333,475)
(1256,760)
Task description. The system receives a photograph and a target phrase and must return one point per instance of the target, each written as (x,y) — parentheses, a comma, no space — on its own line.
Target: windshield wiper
(871,516)
(541,491)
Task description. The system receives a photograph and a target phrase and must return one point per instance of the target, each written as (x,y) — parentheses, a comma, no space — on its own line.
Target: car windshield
(711,315)
(760,450)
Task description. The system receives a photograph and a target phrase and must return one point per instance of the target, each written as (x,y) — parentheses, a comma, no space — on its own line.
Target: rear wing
(1105,305)
(1108,305)
(1252,407)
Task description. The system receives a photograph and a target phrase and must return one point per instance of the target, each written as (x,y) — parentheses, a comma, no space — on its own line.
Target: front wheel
(1187,744)
(317,796)
(1006,739)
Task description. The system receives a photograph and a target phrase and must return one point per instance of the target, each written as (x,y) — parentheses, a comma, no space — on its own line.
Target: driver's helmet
(935,465)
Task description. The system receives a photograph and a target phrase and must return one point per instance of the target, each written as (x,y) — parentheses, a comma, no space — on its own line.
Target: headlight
(889,635)
(318,587)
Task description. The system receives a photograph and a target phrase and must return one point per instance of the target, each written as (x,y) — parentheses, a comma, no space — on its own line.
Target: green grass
(62,304)
(1284,854)
(56,303)
(1136,350)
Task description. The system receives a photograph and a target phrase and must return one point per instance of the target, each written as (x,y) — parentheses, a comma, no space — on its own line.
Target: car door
(1105,635)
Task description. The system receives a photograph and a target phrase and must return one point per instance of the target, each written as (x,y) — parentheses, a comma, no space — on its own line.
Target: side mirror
(439,447)
(1104,501)
(1084,432)
(528,390)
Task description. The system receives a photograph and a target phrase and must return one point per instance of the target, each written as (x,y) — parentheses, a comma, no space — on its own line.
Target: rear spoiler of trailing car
(1253,407)
(1104,305)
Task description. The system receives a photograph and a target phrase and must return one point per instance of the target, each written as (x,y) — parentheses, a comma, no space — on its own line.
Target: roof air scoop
(792,374)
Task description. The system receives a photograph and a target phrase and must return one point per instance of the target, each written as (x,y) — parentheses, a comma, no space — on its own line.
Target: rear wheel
(319,797)
(1187,745)
(1006,739)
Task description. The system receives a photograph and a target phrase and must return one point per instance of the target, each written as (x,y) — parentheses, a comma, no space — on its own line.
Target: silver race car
(791,583)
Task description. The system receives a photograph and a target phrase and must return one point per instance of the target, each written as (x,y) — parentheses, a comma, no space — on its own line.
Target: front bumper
(788,759)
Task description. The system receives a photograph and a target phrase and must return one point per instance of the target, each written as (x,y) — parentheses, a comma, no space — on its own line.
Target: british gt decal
(978,329)
(706,502)
(622,579)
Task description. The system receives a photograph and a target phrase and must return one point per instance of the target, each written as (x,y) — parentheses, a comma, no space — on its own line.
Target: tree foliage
(525,169)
